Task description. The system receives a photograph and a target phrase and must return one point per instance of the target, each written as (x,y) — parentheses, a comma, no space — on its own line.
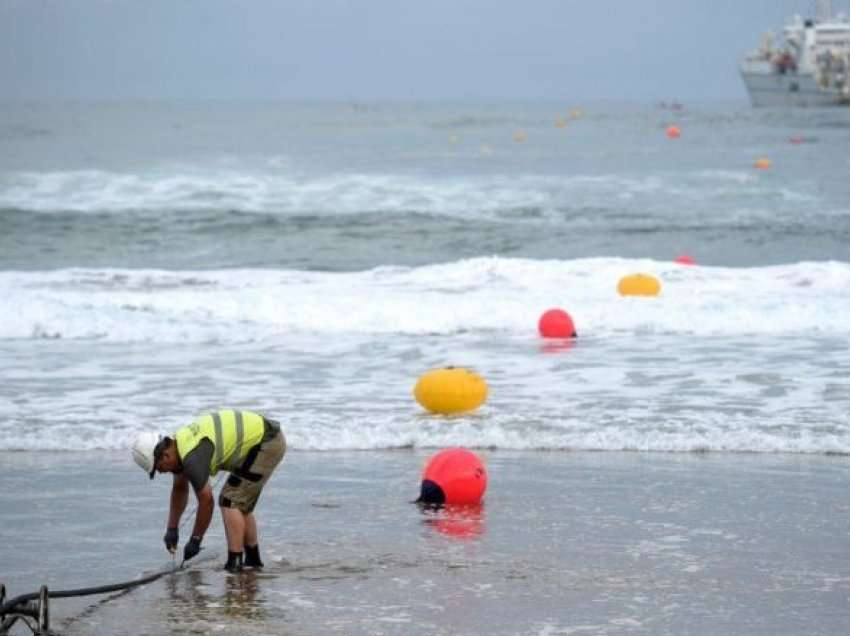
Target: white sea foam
(493,427)
(280,191)
(481,294)
(763,394)
(725,359)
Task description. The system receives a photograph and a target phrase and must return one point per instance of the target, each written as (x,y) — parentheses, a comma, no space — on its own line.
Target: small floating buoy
(763,163)
(576,113)
(673,132)
(447,391)
(560,123)
(453,476)
(520,136)
(639,285)
(684,259)
(556,323)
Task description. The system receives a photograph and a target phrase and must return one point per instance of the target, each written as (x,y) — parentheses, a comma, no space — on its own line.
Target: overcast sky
(378,49)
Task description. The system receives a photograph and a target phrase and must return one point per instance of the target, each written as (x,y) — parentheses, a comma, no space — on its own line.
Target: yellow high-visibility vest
(232,434)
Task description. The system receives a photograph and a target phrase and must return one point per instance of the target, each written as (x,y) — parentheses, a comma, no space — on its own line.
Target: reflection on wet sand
(240,597)
(458,521)
(197,598)
(557,345)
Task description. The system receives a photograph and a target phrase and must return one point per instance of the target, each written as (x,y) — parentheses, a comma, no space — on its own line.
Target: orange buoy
(763,163)
(684,259)
(453,476)
(639,285)
(556,323)
(450,390)
(673,132)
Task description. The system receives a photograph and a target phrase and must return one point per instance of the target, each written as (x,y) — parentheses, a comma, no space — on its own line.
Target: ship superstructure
(807,66)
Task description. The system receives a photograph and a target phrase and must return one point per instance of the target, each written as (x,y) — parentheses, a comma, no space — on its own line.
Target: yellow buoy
(560,123)
(520,136)
(576,113)
(450,390)
(639,285)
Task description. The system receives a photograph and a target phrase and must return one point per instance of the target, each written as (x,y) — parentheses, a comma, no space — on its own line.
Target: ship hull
(790,89)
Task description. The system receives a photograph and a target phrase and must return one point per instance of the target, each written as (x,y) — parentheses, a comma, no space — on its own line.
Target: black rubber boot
(252,556)
(234,562)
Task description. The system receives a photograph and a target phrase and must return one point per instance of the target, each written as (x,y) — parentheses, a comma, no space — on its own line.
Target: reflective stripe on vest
(232,433)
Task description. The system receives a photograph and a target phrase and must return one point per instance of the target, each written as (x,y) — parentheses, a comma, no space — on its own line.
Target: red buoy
(556,323)
(453,476)
(684,259)
(673,132)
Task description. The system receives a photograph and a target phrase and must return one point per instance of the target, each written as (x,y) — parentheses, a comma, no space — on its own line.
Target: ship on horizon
(808,66)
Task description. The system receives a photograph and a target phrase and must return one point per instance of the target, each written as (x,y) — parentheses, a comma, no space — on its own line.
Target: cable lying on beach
(35,604)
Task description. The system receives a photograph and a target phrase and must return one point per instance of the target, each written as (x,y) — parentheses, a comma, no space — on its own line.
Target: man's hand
(171,538)
(192,547)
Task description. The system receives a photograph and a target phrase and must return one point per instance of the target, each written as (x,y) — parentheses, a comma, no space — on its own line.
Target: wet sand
(565,543)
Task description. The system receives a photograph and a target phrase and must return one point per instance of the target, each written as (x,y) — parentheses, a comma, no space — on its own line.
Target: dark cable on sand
(15,608)
(84,591)
(88,591)
(20,607)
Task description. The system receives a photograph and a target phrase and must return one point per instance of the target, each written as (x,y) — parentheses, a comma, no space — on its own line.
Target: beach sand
(565,543)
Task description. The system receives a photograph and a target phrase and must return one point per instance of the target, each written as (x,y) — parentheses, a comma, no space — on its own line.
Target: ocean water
(313,260)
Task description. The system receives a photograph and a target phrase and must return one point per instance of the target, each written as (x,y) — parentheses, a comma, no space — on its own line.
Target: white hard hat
(143,450)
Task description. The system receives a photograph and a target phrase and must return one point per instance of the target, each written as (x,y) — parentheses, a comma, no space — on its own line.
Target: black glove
(193,546)
(171,539)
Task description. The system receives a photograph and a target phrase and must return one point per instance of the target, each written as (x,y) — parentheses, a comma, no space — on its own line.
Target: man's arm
(196,470)
(206,503)
(179,496)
